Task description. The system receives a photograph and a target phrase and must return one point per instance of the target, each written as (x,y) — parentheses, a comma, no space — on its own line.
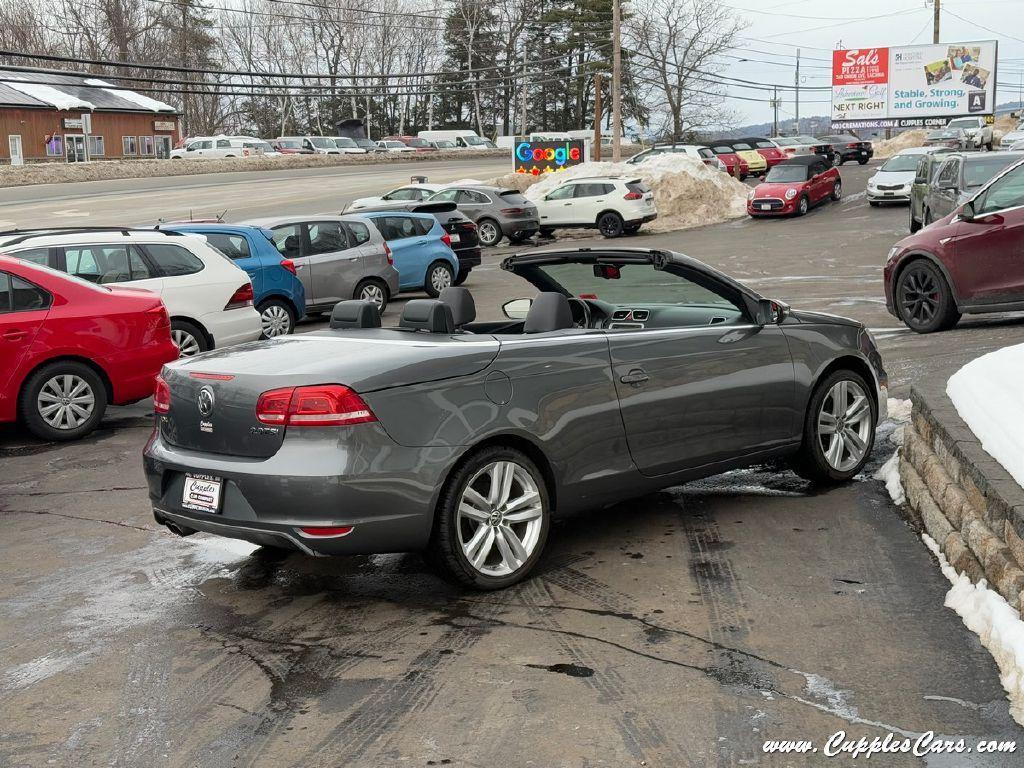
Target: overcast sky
(777,27)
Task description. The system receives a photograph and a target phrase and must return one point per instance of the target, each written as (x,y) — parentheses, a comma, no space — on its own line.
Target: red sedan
(792,187)
(69,347)
(734,164)
(969,262)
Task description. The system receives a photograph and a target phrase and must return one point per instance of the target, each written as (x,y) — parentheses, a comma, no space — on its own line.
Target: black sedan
(628,371)
(846,147)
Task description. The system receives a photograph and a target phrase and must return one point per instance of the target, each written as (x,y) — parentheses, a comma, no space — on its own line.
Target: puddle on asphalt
(572,670)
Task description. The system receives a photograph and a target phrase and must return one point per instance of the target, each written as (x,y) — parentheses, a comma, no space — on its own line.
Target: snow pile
(889,473)
(687,193)
(48,95)
(135,98)
(994,621)
(986,393)
(885,148)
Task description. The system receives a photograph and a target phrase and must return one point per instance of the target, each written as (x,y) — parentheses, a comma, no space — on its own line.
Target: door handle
(14,335)
(636,377)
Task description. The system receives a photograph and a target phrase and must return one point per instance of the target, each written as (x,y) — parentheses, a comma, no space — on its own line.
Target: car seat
(460,300)
(549,312)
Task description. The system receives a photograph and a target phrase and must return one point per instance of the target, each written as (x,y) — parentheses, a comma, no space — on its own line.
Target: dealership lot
(684,628)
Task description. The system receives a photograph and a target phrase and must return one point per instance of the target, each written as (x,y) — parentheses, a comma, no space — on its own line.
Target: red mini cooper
(793,186)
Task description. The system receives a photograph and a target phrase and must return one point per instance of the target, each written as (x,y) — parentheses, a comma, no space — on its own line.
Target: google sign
(537,157)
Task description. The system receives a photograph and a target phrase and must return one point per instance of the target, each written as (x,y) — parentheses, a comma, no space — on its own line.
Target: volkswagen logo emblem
(206,401)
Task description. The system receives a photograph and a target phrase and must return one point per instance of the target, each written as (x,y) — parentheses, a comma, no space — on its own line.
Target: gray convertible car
(628,370)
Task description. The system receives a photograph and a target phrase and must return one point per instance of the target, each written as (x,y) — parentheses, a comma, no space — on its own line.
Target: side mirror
(772,311)
(967,213)
(517,309)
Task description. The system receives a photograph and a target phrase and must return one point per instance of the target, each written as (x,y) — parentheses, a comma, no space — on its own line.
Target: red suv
(69,347)
(969,262)
(791,187)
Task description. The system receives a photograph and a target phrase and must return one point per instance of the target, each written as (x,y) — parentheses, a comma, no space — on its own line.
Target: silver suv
(497,212)
(336,258)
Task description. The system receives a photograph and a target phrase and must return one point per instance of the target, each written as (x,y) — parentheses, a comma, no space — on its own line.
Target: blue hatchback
(420,248)
(277,293)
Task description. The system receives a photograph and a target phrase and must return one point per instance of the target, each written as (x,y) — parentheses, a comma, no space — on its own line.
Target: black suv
(848,147)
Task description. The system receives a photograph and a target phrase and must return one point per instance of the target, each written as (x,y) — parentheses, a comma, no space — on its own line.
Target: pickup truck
(979,133)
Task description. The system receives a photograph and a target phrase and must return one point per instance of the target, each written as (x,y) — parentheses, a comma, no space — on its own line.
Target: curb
(965,499)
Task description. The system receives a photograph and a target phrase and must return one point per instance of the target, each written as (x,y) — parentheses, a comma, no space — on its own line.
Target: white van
(462,139)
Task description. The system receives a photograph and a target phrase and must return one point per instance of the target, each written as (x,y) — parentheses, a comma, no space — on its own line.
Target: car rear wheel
(276,318)
(64,400)
(837,191)
(803,206)
(372,290)
(837,160)
(610,224)
(489,231)
(862,161)
(924,299)
(915,225)
(839,429)
(440,275)
(492,520)
(190,340)
(519,237)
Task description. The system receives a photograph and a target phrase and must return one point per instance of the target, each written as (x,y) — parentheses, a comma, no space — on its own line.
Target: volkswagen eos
(628,371)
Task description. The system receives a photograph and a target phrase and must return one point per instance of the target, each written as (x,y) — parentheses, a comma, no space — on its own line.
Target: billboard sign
(537,157)
(912,86)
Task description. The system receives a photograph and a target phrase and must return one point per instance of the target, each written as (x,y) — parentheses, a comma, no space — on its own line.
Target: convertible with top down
(628,370)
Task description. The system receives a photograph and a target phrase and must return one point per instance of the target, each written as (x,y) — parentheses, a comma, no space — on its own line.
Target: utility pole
(598,109)
(616,82)
(522,122)
(796,82)
(935,24)
(775,110)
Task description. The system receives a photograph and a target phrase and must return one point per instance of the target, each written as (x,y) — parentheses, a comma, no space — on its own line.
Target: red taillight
(289,265)
(446,239)
(161,396)
(163,321)
(327,532)
(633,196)
(211,376)
(240,298)
(387,252)
(512,211)
(325,405)
(852,146)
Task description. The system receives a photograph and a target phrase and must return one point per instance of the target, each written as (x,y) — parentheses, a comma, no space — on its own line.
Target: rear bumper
(233,326)
(469,257)
(315,479)
(641,219)
(133,373)
(516,226)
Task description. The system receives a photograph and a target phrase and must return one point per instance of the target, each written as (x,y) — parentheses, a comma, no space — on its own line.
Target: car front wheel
(492,520)
(440,275)
(803,206)
(837,191)
(64,400)
(924,299)
(610,224)
(839,429)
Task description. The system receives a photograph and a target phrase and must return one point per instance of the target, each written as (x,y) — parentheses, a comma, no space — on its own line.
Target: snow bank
(135,98)
(885,148)
(986,393)
(889,473)
(997,625)
(48,95)
(686,192)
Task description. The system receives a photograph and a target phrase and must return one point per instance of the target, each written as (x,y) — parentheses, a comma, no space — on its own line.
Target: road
(681,629)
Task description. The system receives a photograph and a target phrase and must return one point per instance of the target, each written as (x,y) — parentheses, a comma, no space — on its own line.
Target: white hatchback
(208,298)
(615,205)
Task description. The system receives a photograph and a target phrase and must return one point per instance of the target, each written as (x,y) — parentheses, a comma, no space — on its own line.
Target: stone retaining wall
(964,498)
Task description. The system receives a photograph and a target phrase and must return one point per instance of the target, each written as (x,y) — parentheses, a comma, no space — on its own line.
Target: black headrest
(462,304)
(548,312)
(355,314)
(428,315)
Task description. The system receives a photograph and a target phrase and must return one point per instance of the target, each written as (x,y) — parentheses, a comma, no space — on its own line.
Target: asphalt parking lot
(683,628)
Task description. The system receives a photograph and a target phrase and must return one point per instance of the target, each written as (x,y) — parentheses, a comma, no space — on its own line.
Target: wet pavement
(681,629)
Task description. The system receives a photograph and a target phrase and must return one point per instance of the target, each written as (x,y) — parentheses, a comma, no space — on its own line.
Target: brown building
(73,118)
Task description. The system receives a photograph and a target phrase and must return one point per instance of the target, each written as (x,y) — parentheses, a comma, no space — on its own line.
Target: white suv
(616,205)
(208,298)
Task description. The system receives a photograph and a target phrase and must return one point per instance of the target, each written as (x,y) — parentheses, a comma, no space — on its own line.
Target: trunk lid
(214,396)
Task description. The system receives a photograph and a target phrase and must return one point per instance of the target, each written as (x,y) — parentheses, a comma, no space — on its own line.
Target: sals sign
(539,157)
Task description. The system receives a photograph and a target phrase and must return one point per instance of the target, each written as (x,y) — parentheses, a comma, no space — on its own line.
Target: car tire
(64,400)
(927,217)
(465,513)
(915,225)
(440,275)
(924,299)
(547,232)
(874,203)
(802,207)
(610,224)
(519,237)
(837,191)
(837,160)
(372,290)
(276,318)
(989,146)
(189,338)
(489,232)
(862,161)
(462,276)
(632,230)
(832,451)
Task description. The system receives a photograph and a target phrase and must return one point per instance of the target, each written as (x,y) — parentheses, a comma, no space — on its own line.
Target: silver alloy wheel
(489,234)
(275,321)
(500,516)
(837,191)
(66,401)
(440,278)
(188,344)
(844,425)
(372,292)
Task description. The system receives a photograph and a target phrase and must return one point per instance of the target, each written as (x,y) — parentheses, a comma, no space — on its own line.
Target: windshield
(636,285)
(260,145)
(764,144)
(474,140)
(722,150)
(365,143)
(786,142)
(787,174)
(444,144)
(342,141)
(966,122)
(290,143)
(513,197)
(740,146)
(901,163)
(321,143)
(942,135)
(978,171)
